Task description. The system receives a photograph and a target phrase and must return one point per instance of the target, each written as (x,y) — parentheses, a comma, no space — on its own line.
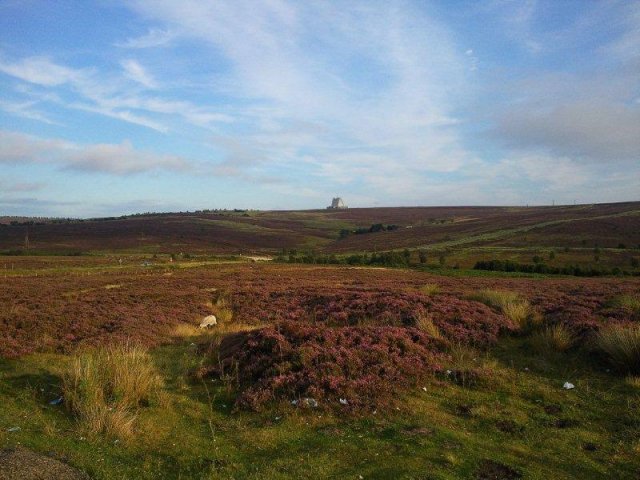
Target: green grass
(621,343)
(628,302)
(516,419)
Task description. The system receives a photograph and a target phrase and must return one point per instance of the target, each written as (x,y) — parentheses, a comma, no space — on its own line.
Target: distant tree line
(376,227)
(539,267)
(386,259)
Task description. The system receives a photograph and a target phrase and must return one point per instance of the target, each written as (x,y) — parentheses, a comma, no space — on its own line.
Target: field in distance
(599,234)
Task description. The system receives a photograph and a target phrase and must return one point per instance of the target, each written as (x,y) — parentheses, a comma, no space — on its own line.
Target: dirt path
(24,464)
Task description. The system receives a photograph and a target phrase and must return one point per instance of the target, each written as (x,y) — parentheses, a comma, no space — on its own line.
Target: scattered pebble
(307,402)
(568,386)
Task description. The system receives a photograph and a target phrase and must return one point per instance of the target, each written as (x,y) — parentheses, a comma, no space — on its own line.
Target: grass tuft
(222,310)
(555,338)
(511,304)
(633,381)
(187,330)
(425,323)
(627,302)
(105,386)
(621,343)
(430,289)
(470,367)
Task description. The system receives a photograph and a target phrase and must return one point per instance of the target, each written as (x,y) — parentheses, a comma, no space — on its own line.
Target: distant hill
(336,231)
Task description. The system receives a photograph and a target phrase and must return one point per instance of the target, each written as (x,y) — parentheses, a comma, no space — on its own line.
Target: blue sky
(155,105)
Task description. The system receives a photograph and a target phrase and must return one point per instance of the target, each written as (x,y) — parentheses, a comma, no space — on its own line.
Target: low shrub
(621,344)
(362,365)
(106,385)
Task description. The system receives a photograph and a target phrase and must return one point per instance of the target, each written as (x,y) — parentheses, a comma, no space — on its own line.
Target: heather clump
(354,368)
(467,322)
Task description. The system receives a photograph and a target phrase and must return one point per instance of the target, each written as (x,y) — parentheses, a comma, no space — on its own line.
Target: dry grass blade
(511,304)
(425,323)
(627,302)
(105,386)
(430,289)
(556,338)
(621,343)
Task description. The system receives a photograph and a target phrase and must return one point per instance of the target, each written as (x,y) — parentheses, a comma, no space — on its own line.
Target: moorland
(418,342)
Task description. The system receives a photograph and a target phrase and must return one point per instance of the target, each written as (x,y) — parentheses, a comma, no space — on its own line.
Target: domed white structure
(337,203)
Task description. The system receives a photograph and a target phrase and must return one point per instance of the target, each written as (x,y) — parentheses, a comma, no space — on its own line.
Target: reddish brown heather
(359,365)
(59,311)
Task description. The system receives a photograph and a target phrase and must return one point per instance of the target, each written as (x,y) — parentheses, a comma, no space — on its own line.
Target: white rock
(208,321)
(568,386)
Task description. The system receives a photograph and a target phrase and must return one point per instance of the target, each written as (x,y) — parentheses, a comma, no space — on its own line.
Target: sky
(117,107)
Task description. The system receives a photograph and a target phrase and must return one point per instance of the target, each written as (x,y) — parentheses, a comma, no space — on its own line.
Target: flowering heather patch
(57,311)
(460,320)
(291,360)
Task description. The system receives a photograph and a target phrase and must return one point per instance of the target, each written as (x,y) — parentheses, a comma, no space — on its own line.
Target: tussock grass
(469,366)
(105,386)
(554,338)
(186,330)
(621,343)
(633,381)
(222,310)
(511,304)
(425,323)
(430,289)
(628,302)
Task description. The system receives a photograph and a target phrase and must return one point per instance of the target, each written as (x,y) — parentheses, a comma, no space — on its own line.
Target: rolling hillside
(608,226)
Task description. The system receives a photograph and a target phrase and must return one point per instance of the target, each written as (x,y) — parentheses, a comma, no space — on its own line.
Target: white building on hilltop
(337,203)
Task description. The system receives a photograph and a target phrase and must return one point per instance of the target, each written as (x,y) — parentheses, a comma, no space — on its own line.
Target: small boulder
(208,321)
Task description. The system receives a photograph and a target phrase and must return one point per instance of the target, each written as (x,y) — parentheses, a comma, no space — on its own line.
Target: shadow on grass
(43,385)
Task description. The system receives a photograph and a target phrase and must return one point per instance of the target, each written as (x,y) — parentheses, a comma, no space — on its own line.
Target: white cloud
(155,37)
(137,73)
(304,72)
(41,71)
(113,96)
(117,159)
(26,110)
